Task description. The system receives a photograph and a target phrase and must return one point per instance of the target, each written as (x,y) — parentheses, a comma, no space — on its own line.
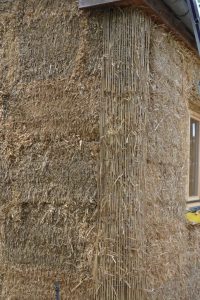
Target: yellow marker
(193,217)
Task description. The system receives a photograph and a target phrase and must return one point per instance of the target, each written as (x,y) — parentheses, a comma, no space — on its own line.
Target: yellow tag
(193,218)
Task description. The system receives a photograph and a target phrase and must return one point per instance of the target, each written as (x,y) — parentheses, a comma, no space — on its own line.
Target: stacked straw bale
(125,95)
(94,155)
(170,244)
(50,89)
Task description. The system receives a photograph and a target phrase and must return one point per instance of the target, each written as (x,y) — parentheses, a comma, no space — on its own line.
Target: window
(194,176)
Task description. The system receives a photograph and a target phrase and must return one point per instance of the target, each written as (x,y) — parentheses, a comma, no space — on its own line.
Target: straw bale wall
(94,155)
(49,90)
(125,95)
(170,244)
(149,84)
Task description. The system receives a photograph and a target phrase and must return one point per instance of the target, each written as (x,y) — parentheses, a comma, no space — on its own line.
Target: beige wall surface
(49,89)
(172,254)
(94,155)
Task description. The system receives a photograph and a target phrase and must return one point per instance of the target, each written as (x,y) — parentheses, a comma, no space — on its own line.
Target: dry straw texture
(125,95)
(172,248)
(50,89)
(94,155)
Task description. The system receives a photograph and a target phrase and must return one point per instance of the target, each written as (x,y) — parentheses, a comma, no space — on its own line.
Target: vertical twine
(125,94)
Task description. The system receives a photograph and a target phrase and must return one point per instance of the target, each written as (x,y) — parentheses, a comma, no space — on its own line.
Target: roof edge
(161,13)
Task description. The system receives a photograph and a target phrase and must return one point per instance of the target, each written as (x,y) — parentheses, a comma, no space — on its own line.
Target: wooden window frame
(195,116)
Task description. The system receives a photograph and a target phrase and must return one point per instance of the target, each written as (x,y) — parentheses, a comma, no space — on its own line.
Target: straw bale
(174,77)
(94,155)
(125,94)
(50,89)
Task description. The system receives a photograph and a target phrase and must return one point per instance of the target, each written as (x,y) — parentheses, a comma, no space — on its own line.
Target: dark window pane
(194,157)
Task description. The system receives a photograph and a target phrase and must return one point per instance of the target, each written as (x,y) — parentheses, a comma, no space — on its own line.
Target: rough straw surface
(172,253)
(50,90)
(125,95)
(94,153)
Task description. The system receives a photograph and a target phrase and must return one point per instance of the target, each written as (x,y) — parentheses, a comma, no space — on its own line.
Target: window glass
(194,158)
